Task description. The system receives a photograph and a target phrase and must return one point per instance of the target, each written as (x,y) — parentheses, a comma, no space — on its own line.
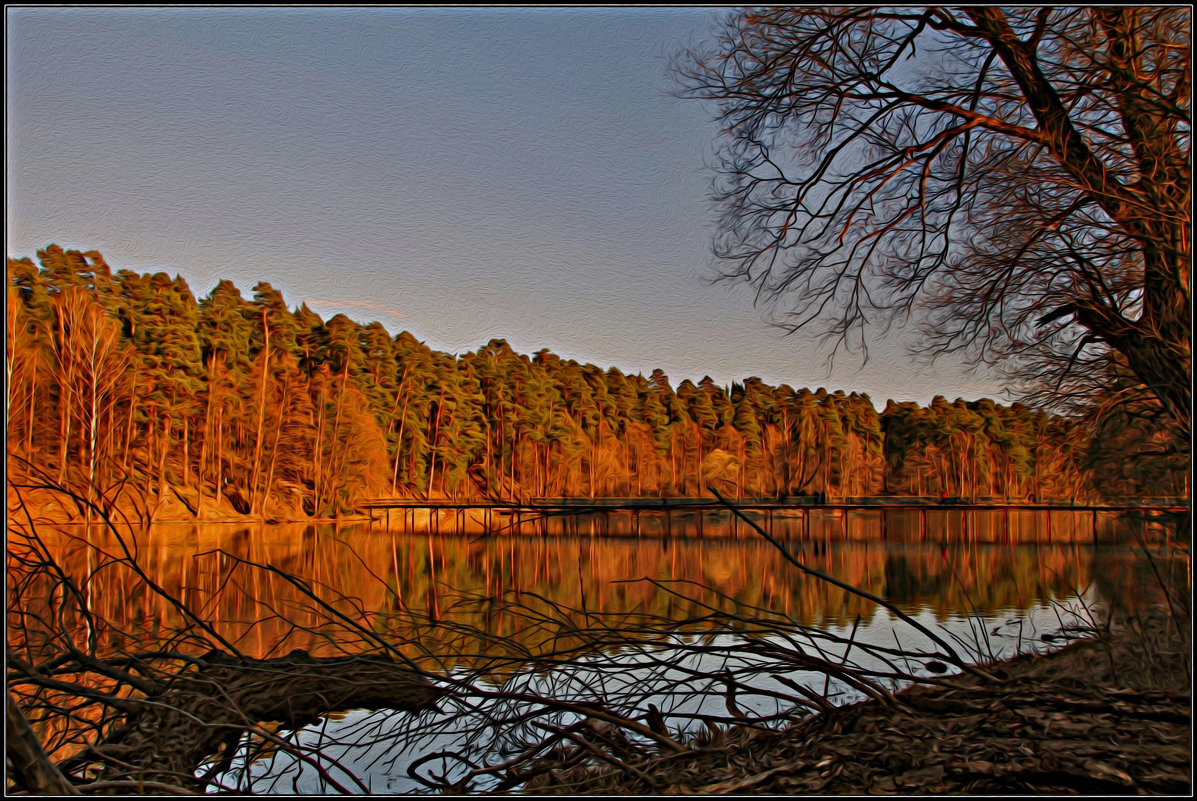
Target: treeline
(123,381)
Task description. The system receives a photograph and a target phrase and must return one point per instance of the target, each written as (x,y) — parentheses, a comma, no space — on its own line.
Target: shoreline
(657,526)
(1097,716)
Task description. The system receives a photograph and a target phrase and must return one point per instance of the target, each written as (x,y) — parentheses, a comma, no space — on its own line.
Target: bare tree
(89,354)
(1017,178)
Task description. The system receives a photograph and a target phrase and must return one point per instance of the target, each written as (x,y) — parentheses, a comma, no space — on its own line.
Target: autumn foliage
(127,388)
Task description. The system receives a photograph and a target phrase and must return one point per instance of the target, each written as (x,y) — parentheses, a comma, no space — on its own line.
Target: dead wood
(30,766)
(206,710)
(1048,724)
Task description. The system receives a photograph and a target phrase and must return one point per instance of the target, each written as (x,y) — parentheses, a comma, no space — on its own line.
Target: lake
(665,617)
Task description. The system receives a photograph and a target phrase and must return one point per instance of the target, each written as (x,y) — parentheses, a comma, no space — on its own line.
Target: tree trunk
(32,770)
(399,438)
(204,712)
(253,483)
(186,453)
(32,394)
(129,425)
(92,425)
(318,449)
(440,405)
(202,469)
(274,449)
(219,454)
(338,449)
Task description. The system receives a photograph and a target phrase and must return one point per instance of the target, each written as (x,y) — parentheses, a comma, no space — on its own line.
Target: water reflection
(915,524)
(666,619)
(470,596)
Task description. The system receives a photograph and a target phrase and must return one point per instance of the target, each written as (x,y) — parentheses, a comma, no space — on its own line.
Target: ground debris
(204,711)
(1066,723)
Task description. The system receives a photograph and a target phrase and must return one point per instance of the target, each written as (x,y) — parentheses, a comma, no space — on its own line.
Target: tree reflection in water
(538,640)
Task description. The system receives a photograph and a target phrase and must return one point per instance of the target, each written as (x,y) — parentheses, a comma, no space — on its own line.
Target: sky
(462,174)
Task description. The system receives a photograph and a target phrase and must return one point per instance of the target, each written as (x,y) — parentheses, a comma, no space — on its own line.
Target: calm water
(677,609)
(393,577)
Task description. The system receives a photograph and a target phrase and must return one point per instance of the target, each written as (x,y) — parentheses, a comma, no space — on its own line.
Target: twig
(950,653)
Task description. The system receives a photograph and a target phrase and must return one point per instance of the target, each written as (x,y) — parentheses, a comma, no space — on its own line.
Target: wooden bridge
(493,515)
(598,505)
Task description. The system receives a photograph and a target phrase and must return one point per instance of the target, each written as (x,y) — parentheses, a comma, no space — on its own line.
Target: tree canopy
(126,384)
(1017,178)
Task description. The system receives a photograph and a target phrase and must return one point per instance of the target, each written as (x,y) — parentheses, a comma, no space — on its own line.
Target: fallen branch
(205,711)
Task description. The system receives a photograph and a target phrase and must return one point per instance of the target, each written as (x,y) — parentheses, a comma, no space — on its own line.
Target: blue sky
(463,174)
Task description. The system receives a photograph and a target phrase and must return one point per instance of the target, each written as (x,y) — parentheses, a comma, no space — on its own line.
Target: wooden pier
(493,516)
(598,505)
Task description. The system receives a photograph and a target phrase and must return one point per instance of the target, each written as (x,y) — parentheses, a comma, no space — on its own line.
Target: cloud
(369,305)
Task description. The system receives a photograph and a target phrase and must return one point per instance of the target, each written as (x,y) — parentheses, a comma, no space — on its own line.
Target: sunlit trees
(979,449)
(277,340)
(1019,178)
(90,363)
(225,336)
(409,445)
(160,320)
(26,323)
(233,405)
(14,333)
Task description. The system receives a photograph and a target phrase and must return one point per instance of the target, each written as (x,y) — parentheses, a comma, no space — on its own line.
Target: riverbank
(644,518)
(176,505)
(1108,716)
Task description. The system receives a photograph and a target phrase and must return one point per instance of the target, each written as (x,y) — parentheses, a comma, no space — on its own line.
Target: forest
(127,388)
(1010,188)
